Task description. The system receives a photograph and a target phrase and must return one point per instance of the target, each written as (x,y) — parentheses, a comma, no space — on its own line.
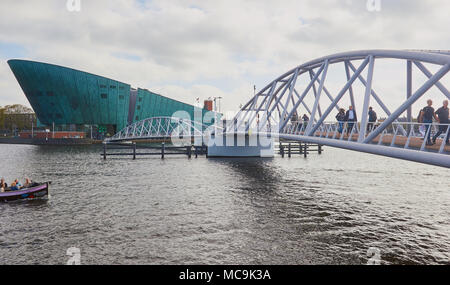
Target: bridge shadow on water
(259,175)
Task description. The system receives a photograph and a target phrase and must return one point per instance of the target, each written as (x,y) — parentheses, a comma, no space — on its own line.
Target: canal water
(340,207)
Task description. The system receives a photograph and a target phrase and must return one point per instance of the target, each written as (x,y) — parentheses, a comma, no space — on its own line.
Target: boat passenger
(28,183)
(14,187)
(18,183)
(3,184)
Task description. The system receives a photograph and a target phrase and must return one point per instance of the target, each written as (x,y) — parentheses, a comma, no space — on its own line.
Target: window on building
(104,95)
(112,87)
(140,99)
(121,97)
(102,86)
(137,118)
(138,107)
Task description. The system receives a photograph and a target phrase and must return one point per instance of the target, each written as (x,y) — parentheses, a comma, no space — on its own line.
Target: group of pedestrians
(351,119)
(441,115)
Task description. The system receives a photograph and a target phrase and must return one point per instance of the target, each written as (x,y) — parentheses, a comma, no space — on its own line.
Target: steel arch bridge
(274,109)
(160,128)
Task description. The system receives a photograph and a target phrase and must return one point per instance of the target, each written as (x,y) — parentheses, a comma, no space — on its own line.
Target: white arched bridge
(160,128)
(276,110)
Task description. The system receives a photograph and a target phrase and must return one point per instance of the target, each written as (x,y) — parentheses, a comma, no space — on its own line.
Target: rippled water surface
(327,209)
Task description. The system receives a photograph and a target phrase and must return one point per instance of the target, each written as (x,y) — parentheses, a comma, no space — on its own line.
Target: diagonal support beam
(341,93)
(303,96)
(291,91)
(266,118)
(362,132)
(428,74)
(424,88)
(327,92)
(350,90)
(374,95)
(311,76)
(316,102)
(303,102)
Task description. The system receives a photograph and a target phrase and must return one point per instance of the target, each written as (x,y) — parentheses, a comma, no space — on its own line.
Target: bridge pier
(240,145)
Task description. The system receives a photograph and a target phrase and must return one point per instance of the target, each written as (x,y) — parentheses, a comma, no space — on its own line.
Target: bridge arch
(160,128)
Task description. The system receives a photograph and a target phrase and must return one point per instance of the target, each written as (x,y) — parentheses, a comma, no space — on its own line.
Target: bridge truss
(275,109)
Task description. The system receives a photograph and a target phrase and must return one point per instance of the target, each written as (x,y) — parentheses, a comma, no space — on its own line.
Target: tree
(17,109)
(16,116)
(2,117)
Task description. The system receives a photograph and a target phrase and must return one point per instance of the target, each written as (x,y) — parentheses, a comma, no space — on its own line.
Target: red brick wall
(58,135)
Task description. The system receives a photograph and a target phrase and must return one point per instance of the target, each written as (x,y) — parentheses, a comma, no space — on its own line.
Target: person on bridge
(372,120)
(442,116)
(426,117)
(305,119)
(340,117)
(294,120)
(350,118)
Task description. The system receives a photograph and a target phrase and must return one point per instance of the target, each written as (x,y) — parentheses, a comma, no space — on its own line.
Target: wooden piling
(189,151)
(163,147)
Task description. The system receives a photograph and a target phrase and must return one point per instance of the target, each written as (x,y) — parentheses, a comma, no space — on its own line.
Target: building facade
(65,96)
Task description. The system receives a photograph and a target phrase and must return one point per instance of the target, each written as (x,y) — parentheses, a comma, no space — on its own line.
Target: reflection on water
(327,209)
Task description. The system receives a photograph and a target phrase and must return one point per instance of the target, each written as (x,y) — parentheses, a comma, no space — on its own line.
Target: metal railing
(407,135)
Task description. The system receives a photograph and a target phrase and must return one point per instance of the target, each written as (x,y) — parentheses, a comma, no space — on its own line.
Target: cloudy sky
(185,49)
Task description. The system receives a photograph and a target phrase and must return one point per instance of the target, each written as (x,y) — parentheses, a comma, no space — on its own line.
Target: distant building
(65,96)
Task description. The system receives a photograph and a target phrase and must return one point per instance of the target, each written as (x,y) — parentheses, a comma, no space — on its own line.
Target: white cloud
(197,48)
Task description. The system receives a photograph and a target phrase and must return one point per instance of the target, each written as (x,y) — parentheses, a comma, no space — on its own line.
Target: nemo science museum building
(69,98)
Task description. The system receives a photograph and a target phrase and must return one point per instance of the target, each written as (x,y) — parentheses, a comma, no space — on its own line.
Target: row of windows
(111,86)
(105,96)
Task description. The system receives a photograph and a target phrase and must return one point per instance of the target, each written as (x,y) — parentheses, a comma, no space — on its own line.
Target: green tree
(16,117)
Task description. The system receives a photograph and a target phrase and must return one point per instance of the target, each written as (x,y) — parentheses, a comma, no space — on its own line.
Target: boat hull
(36,192)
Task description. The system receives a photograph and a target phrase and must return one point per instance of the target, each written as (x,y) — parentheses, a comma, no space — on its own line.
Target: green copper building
(65,96)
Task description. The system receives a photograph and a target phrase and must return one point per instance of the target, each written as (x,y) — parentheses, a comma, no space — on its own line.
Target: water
(327,209)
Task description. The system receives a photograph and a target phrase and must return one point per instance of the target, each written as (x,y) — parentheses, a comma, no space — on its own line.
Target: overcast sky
(185,49)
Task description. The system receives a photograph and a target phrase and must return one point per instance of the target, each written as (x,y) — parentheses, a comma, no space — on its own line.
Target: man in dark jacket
(426,117)
(372,119)
(442,116)
(350,118)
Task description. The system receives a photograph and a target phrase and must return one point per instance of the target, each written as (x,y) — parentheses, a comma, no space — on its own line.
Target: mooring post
(196,151)
(320,149)
(134,150)
(289,150)
(189,151)
(282,150)
(104,150)
(162,150)
(305,150)
(300,148)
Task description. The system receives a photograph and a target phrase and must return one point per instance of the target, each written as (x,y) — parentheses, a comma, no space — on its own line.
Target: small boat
(38,190)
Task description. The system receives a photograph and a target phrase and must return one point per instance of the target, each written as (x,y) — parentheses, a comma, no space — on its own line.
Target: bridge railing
(408,135)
